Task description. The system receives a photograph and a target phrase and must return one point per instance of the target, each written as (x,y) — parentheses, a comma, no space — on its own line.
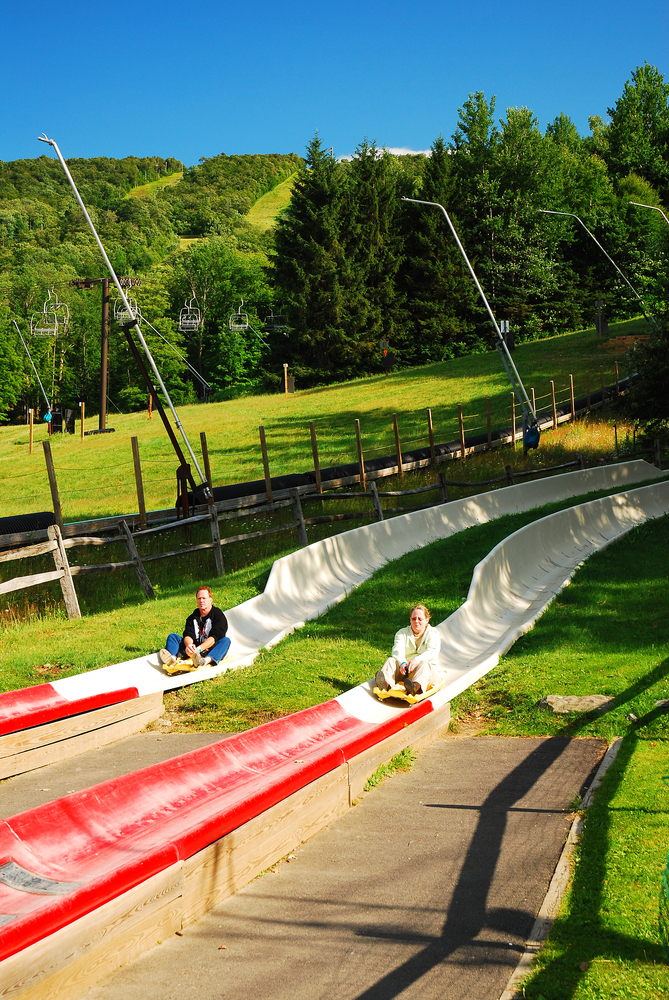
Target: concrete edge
(558,884)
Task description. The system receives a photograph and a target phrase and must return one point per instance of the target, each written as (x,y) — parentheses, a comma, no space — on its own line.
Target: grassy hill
(96,476)
(146,189)
(267,209)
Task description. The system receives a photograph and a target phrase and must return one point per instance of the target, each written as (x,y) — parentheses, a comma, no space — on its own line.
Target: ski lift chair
(45,323)
(275,324)
(62,313)
(121,314)
(189,317)
(239,320)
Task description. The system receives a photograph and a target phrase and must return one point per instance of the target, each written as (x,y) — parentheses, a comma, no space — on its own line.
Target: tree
(638,137)
(311,272)
(646,399)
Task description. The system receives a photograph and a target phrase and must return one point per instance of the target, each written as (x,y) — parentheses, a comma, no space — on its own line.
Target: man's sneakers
(167,658)
(198,659)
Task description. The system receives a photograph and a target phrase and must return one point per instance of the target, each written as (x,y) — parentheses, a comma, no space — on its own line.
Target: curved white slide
(303,584)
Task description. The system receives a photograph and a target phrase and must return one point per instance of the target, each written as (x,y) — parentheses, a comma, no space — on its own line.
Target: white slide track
(500,607)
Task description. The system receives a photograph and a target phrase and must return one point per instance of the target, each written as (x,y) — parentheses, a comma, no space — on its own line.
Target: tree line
(349,264)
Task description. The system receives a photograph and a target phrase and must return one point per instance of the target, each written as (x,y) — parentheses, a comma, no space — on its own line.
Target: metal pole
(653,207)
(51,142)
(104,352)
(649,316)
(507,360)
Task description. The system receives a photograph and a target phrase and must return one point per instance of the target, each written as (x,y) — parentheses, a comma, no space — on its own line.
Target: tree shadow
(467,915)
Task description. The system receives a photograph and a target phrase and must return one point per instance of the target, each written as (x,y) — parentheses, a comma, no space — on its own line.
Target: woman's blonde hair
(420,607)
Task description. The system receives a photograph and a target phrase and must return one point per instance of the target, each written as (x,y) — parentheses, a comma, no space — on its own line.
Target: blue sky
(181,80)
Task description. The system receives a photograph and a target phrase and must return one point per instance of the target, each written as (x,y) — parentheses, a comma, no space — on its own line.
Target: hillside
(96,476)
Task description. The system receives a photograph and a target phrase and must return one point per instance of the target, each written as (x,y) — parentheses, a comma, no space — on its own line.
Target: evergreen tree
(638,137)
(311,272)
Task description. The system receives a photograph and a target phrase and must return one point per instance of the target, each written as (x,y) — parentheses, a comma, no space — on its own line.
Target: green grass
(143,190)
(605,944)
(402,761)
(96,479)
(263,214)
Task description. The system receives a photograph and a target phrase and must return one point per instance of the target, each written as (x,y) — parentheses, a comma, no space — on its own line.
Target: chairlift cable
(48,404)
(194,371)
(53,144)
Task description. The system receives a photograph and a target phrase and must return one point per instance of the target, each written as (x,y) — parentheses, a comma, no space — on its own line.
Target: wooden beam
(361,460)
(265,463)
(21,582)
(144,581)
(299,518)
(138,481)
(27,551)
(314,451)
(53,485)
(398,447)
(66,581)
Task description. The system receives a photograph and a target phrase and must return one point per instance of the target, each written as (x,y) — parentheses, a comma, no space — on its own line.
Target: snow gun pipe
(507,360)
(649,316)
(51,142)
(46,398)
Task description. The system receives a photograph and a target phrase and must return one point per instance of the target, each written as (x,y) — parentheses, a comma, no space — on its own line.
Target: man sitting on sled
(204,639)
(414,661)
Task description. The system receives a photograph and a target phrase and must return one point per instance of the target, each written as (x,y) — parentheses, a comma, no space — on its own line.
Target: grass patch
(264,213)
(605,942)
(143,190)
(402,761)
(96,479)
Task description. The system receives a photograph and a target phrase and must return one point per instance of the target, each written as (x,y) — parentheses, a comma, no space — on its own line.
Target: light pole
(529,416)
(654,208)
(207,491)
(649,316)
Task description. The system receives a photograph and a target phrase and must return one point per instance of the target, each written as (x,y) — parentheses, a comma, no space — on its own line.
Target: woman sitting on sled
(414,661)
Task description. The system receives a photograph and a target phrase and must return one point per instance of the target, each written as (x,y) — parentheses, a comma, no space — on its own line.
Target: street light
(653,207)
(530,422)
(649,316)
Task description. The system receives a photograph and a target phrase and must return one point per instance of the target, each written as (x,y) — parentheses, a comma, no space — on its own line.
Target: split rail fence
(131,529)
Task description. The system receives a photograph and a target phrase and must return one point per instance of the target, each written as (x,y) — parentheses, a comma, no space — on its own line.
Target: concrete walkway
(428,889)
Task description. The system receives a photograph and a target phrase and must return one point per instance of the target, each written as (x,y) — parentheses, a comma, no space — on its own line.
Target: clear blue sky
(195,80)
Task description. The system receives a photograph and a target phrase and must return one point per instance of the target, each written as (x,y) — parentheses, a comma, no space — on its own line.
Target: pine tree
(311,271)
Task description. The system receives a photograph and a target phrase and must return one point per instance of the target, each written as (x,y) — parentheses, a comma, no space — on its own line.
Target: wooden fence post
(587,389)
(66,582)
(183,478)
(361,460)
(571,397)
(509,475)
(138,482)
(83,418)
(615,440)
(265,464)
(463,450)
(216,539)
(581,463)
(31,429)
(488,421)
(430,434)
(601,379)
(398,447)
(443,488)
(205,459)
(376,501)
(513,420)
(53,485)
(617,380)
(314,452)
(144,581)
(658,453)
(285,380)
(553,405)
(299,516)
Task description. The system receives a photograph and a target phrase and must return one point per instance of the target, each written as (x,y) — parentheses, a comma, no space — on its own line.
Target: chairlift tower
(104,334)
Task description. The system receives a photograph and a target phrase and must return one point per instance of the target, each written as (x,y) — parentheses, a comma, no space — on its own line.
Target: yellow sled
(182,666)
(398,691)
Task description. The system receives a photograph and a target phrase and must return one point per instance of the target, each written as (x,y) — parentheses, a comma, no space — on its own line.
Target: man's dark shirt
(201,627)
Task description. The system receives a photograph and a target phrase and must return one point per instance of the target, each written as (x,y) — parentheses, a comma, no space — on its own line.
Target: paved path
(428,889)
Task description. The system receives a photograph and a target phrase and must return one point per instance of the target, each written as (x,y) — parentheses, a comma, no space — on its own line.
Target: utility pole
(104,334)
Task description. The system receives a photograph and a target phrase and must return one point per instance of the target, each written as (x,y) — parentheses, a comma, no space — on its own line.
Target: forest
(348,264)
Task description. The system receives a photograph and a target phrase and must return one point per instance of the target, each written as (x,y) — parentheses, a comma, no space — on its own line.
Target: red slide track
(85,849)
(36,705)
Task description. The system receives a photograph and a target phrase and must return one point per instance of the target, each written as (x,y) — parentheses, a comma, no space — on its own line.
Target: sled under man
(204,638)
(414,660)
